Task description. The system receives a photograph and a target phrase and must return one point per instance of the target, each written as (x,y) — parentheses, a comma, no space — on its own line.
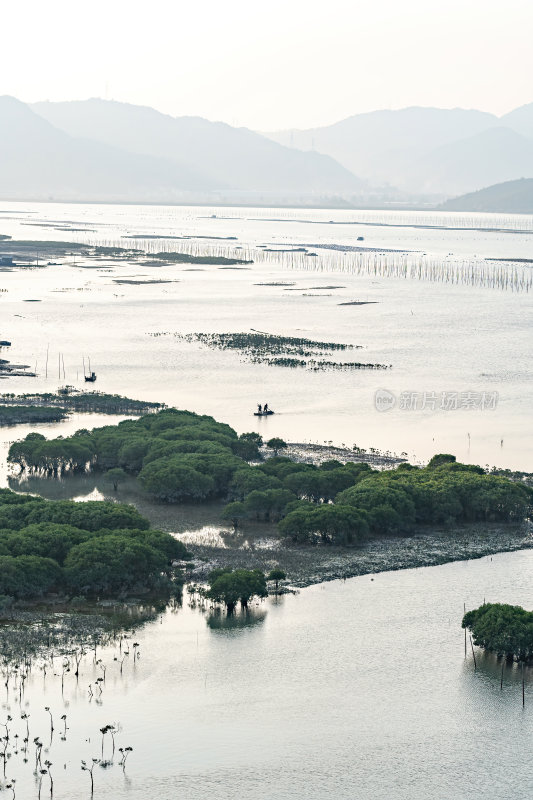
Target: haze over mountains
(233,158)
(100,150)
(38,161)
(427,150)
(110,151)
(511,197)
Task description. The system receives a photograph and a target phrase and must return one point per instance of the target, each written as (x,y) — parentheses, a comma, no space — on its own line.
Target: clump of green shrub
(92,549)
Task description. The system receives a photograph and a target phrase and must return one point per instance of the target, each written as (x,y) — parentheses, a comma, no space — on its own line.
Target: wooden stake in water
(501,676)
(464,609)
(523,687)
(473,654)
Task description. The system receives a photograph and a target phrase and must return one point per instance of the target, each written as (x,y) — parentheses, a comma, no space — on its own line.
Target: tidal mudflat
(245,534)
(201,705)
(241,705)
(446,319)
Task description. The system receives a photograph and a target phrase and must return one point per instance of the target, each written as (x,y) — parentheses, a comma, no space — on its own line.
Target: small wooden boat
(91,377)
(263,413)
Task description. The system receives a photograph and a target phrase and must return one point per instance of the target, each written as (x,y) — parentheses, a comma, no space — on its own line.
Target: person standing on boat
(265,408)
(259,409)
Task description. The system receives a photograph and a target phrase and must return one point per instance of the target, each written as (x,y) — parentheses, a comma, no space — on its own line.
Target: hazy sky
(271,64)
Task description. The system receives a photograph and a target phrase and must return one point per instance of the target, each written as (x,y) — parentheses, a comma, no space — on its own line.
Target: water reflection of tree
(217,620)
(59,488)
(278,599)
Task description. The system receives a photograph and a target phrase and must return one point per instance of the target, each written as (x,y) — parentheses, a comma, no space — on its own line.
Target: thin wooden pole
(501,676)
(474,655)
(523,687)
(464,608)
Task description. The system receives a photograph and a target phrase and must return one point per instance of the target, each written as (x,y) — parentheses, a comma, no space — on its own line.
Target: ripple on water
(208,535)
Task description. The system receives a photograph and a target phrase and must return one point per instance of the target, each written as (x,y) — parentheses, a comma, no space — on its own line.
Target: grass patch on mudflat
(281,351)
(19,415)
(185,258)
(306,566)
(91,402)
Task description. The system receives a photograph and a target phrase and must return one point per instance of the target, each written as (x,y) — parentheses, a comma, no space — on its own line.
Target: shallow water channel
(356,688)
(420,307)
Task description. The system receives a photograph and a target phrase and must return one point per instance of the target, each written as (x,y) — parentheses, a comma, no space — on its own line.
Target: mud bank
(307,565)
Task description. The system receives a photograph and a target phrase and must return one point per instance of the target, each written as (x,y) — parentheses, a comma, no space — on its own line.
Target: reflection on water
(439,337)
(197,524)
(261,544)
(496,671)
(187,519)
(207,536)
(71,487)
(217,620)
(362,683)
(94,495)
(356,688)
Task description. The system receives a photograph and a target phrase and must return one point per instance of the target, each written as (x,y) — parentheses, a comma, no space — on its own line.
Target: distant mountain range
(427,151)
(511,197)
(102,150)
(232,158)
(110,151)
(39,161)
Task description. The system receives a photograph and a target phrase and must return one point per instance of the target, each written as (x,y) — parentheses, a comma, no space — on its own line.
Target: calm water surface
(348,689)
(438,335)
